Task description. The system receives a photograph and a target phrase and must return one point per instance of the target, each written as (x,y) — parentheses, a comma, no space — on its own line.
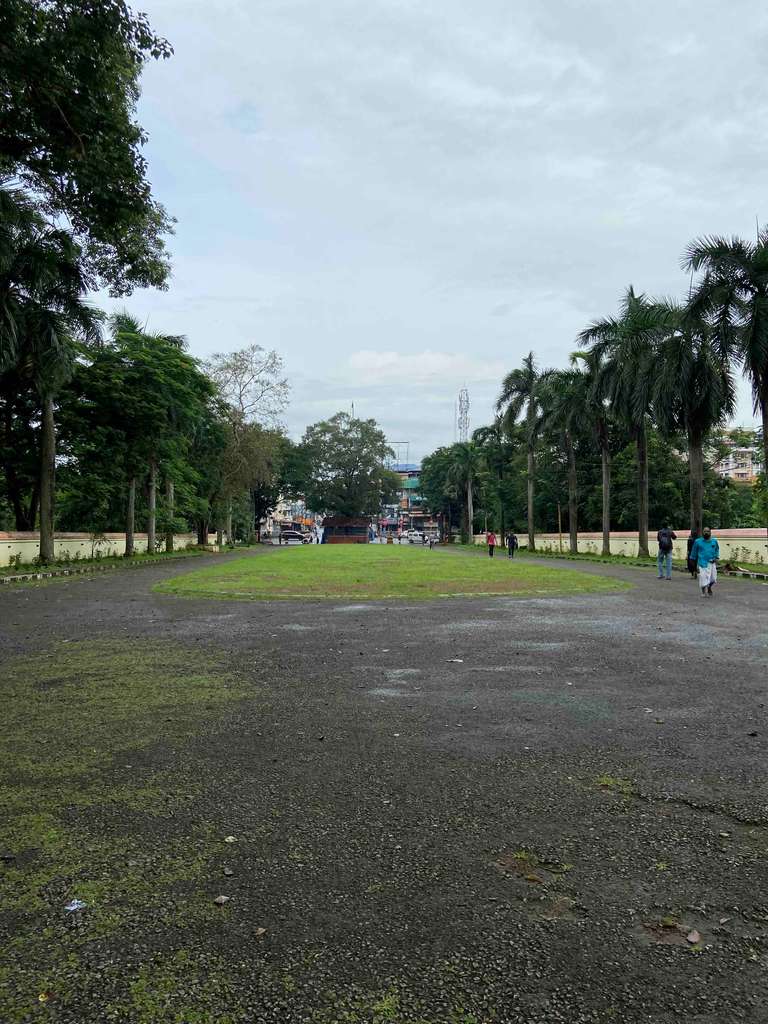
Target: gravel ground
(465,811)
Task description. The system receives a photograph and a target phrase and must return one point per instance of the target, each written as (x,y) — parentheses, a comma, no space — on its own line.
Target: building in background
(742,464)
(409,512)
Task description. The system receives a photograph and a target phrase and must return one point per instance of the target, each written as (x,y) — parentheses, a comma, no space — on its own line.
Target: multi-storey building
(409,511)
(742,465)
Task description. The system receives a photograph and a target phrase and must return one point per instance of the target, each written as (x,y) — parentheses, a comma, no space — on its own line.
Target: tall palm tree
(565,405)
(628,345)
(521,394)
(496,448)
(466,463)
(597,413)
(693,391)
(732,295)
(42,317)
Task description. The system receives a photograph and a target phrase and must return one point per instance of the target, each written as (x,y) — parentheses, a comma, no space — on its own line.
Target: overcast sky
(405,196)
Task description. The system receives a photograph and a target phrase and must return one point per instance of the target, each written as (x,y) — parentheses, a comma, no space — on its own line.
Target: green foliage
(346,462)
(70,72)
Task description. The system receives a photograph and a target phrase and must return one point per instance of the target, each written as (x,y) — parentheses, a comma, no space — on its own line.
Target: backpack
(665,541)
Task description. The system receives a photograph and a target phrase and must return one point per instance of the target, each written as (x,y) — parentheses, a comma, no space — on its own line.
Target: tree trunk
(130,518)
(531,531)
(220,535)
(169,502)
(573,497)
(470,511)
(202,532)
(47,480)
(152,508)
(696,474)
(229,522)
(641,443)
(605,456)
(764,411)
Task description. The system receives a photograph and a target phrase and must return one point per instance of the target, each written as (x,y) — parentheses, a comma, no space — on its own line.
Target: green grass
(377,572)
(22,568)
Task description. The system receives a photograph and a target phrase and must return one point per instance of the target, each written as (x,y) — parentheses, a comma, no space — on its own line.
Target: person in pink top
(491,537)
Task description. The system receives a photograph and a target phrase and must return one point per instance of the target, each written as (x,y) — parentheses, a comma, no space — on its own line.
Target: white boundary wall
(735,545)
(79,545)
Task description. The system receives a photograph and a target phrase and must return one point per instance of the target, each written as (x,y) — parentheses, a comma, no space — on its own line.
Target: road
(462,811)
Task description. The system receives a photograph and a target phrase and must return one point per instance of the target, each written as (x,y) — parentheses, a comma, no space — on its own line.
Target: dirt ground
(457,812)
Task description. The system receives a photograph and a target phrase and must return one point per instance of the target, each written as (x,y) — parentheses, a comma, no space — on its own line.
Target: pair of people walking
(493,543)
(702,555)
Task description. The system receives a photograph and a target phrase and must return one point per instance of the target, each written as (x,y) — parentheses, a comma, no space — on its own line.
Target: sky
(403,198)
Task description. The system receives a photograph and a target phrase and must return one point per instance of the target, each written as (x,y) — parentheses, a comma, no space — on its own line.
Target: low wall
(735,545)
(78,545)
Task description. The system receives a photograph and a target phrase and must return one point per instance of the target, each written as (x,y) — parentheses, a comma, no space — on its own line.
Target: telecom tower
(462,420)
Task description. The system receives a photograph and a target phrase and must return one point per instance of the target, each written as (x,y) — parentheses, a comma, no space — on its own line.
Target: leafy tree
(693,391)
(42,316)
(521,393)
(347,458)
(596,414)
(20,449)
(70,81)
(627,344)
(732,295)
(466,467)
(496,447)
(439,489)
(566,405)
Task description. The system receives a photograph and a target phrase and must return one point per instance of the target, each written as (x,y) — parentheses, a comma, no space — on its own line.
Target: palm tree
(732,296)
(565,403)
(494,444)
(521,391)
(42,317)
(628,346)
(693,391)
(597,413)
(466,465)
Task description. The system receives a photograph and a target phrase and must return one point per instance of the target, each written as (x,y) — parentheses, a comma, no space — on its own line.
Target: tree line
(646,397)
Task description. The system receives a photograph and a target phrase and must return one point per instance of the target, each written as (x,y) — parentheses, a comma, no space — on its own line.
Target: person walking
(706,552)
(665,537)
(512,544)
(690,560)
(491,537)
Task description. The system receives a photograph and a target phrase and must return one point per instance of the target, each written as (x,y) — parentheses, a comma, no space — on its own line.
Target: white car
(415,537)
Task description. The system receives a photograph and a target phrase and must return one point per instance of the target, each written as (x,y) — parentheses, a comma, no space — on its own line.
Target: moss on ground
(74,786)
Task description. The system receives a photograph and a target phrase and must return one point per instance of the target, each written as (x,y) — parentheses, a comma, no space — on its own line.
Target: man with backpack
(665,537)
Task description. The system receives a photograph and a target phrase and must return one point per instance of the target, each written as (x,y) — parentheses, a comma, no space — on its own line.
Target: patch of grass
(617,785)
(72,780)
(20,568)
(378,572)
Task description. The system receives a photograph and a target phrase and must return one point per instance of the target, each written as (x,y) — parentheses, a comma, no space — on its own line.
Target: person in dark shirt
(512,544)
(692,567)
(665,537)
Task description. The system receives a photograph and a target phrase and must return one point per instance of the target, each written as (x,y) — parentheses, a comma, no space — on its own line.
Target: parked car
(415,537)
(292,537)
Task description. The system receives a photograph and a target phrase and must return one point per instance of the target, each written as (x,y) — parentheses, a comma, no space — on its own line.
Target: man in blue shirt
(705,552)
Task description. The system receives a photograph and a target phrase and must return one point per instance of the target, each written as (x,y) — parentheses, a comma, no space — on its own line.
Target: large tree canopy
(347,459)
(69,82)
